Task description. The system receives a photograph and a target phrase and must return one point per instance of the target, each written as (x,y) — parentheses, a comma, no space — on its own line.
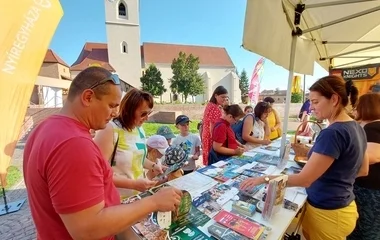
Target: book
(240,225)
(243,207)
(188,232)
(221,232)
(274,198)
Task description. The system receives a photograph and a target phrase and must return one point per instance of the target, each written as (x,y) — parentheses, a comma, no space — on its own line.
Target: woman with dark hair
(274,121)
(224,143)
(211,114)
(336,159)
(367,189)
(255,130)
(123,142)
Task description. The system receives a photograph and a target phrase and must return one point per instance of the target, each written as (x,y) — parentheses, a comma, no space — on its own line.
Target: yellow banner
(296,84)
(27,28)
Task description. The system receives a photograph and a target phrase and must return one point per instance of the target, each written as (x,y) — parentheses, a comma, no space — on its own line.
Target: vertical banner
(254,87)
(27,28)
(296,84)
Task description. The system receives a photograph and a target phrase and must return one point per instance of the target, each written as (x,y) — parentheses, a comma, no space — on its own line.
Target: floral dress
(211,114)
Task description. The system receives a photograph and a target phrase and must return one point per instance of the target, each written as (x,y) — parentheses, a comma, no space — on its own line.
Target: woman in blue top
(336,159)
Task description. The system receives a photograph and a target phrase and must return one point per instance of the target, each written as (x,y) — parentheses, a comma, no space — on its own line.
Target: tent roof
(269,25)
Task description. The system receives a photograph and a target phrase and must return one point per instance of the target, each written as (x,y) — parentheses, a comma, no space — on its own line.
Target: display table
(196,183)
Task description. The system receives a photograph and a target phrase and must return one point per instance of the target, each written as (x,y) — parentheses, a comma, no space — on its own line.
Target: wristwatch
(266,179)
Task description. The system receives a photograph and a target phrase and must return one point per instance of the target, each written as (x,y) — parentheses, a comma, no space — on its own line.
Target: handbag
(114,152)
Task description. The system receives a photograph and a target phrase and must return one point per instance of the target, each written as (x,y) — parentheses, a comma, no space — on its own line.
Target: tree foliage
(296,98)
(244,83)
(152,81)
(186,79)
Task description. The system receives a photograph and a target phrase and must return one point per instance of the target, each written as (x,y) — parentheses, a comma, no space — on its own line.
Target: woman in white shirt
(123,142)
(255,126)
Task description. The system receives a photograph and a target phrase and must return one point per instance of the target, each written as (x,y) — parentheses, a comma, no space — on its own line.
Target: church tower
(123,39)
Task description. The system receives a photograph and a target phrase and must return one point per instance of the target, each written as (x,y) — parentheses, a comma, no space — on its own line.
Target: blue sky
(199,22)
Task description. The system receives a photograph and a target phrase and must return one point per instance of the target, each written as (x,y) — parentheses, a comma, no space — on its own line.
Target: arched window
(123,10)
(124,47)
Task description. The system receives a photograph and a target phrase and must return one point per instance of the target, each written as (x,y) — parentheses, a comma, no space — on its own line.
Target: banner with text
(27,28)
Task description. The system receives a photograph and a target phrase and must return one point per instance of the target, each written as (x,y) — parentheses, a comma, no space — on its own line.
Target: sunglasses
(114,78)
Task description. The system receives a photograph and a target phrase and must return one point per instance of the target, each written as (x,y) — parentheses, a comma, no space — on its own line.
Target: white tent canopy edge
(332,33)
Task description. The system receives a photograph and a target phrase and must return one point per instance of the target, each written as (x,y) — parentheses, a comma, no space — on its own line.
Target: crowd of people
(75,181)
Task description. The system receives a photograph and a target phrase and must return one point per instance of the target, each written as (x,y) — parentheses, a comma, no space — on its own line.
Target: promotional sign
(366,78)
(26,30)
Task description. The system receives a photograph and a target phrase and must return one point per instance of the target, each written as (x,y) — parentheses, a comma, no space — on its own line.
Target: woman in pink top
(212,113)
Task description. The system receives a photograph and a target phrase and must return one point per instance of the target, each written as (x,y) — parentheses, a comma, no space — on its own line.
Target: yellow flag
(296,84)
(27,28)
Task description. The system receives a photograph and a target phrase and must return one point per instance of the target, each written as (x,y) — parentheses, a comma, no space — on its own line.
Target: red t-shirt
(64,173)
(223,131)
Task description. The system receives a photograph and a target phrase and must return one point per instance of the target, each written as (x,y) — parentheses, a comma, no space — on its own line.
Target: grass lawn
(13,177)
(151,128)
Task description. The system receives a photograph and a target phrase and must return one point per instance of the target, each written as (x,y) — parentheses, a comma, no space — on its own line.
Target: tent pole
(288,94)
(5,201)
(341,2)
(304,88)
(343,19)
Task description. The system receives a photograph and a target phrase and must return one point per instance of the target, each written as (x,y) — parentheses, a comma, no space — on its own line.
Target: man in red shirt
(69,184)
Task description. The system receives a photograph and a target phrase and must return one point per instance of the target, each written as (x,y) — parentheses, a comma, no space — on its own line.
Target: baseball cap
(158,142)
(174,155)
(166,132)
(181,119)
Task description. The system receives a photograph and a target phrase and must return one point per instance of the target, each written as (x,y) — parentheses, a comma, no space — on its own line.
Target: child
(175,158)
(156,146)
(191,141)
(166,132)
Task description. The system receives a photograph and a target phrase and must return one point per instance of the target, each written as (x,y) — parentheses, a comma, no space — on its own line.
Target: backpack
(238,128)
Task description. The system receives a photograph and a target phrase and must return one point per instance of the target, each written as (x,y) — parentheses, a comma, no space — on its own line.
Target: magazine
(240,225)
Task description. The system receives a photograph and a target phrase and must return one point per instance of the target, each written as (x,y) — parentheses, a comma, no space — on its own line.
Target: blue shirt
(346,142)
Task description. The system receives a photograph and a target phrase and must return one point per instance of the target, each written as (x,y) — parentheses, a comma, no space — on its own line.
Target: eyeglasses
(114,78)
(145,114)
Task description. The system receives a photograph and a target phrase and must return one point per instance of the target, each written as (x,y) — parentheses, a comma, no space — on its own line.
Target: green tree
(186,79)
(244,83)
(296,98)
(152,81)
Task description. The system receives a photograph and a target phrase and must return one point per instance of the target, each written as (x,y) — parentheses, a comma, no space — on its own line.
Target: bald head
(87,78)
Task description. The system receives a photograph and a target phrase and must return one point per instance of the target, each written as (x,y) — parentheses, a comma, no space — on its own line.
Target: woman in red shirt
(212,113)
(224,143)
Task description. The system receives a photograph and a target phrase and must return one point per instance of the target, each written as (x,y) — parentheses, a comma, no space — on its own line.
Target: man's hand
(143,184)
(167,199)
(265,142)
(157,168)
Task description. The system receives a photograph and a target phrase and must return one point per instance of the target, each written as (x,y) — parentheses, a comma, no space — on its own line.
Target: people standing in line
(123,142)
(336,159)
(69,183)
(367,189)
(274,121)
(211,114)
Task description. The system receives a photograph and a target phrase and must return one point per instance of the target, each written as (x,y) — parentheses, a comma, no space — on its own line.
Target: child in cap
(191,141)
(157,146)
(166,132)
(175,158)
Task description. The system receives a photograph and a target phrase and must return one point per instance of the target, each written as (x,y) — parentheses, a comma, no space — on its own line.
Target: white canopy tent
(296,33)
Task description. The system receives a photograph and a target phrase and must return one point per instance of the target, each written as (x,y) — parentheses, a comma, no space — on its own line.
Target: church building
(125,55)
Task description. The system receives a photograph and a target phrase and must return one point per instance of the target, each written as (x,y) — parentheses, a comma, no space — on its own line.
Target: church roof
(165,53)
(52,57)
(92,54)
(97,54)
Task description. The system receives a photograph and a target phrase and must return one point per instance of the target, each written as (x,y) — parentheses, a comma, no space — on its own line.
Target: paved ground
(19,225)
